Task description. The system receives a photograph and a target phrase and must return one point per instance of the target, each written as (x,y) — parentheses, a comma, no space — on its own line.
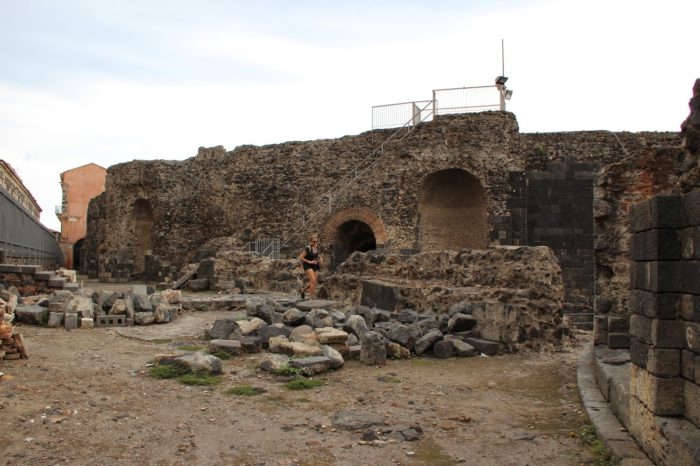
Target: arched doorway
(452,212)
(143,230)
(77,247)
(350,230)
(352,236)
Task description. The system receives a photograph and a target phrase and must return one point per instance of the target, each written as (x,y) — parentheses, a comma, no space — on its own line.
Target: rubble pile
(11,340)
(318,335)
(87,308)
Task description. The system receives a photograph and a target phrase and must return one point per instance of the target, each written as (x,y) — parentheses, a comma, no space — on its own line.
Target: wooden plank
(184,279)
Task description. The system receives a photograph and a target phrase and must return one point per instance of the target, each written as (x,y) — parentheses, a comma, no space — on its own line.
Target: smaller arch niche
(143,230)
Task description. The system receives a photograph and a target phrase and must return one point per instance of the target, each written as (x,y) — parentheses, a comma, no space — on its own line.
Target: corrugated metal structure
(23,240)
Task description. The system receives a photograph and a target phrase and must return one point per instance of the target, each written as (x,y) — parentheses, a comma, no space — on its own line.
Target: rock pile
(316,336)
(87,308)
(11,340)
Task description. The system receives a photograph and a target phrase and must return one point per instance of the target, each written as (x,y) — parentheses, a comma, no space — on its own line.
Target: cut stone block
(228,346)
(87,322)
(71,320)
(36,315)
(661,396)
(487,347)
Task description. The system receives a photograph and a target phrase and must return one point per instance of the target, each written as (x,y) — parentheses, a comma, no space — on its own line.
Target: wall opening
(351,236)
(143,229)
(453,212)
(77,247)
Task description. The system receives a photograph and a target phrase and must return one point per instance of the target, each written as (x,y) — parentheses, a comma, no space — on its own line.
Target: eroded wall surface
(262,192)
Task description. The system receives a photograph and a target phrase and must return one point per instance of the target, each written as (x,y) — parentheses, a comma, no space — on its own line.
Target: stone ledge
(611,432)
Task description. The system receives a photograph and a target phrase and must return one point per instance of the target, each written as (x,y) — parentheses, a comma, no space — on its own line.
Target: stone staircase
(31,279)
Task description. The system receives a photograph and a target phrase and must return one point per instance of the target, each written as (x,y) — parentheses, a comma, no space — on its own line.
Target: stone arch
(453,211)
(350,230)
(143,231)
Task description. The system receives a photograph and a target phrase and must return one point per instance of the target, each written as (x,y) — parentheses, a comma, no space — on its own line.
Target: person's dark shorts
(315,267)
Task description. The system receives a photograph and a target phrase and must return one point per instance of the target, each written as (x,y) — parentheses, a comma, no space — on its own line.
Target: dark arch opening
(453,212)
(143,229)
(77,248)
(351,236)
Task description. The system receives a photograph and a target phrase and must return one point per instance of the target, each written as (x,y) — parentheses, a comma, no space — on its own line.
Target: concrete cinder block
(662,396)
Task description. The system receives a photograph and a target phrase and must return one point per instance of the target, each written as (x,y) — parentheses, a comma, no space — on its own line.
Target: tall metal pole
(503,59)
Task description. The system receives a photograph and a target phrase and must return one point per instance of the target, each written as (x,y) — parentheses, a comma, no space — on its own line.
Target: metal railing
(23,240)
(444,102)
(466,99)
(269,247)
(393,115)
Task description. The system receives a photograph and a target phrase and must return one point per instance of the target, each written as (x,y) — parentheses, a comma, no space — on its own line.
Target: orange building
(79,185)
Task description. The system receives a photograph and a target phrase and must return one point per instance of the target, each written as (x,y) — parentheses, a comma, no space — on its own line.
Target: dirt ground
(85,397)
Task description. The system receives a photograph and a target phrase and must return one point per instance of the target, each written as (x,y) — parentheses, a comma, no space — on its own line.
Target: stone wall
(665,324)
(516,293)
(262,192)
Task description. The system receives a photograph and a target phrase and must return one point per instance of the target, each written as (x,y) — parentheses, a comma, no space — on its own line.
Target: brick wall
(665,316)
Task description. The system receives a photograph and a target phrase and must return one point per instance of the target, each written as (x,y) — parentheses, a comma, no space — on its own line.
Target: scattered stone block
(426,341)
(223,329)
(87,322)
(250,344)
(373,350)
(334,356)
(198,284)
(460,323)
(270,331)
(486,347)
(312,365)
(251,327)
(443,349)
(463,349)
(35,315)
(329,335)
(71,320)
(273,362)
(228,346)
(143,318)
(396,351)
(296,348)
(293,317)
(196,362)
(55,319)
(275,343)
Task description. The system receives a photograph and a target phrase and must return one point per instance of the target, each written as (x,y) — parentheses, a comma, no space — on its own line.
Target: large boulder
(83,306)
(329,335)
(426,341)
(460,323)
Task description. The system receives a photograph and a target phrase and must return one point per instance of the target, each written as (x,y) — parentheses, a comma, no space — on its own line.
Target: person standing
(311,261)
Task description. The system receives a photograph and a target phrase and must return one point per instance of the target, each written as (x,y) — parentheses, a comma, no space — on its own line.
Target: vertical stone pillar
(664,322)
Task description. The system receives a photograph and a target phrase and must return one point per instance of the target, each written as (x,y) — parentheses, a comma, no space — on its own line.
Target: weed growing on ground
(302,383)
(223,355)
(167,371)
(245,390)
(603,456)
(287,370)
(162,341)
(199,379)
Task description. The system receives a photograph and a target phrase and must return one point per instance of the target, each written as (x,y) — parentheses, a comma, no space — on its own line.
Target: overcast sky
(112,81)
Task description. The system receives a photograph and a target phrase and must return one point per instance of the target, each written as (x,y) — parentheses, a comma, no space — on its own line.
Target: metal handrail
(370,160)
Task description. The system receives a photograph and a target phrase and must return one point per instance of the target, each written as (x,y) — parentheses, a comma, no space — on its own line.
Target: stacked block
(664,324)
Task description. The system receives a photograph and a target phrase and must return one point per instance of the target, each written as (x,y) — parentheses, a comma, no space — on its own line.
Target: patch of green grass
(199,379)
(167,371)
(603,456)
(223,355)
(287,370)
(302,383)
(162,341)
(245,390)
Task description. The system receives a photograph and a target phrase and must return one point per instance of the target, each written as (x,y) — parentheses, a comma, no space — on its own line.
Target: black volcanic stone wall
(559,214)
